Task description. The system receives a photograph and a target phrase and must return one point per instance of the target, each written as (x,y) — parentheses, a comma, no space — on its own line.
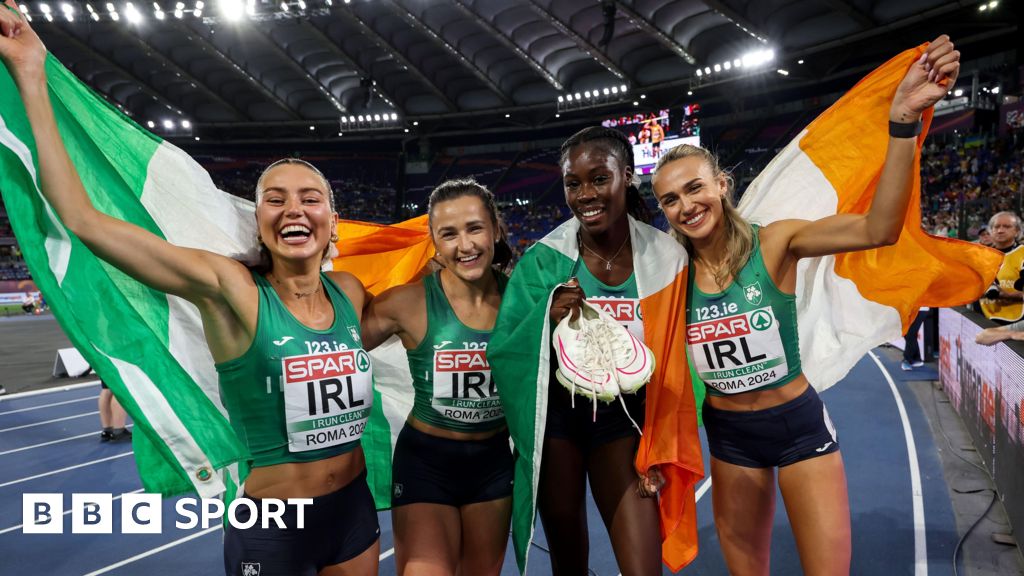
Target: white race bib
(738,353)
(327,398)
(463,388)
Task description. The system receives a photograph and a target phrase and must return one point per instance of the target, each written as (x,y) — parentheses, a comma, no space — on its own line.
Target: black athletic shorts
(337,527)
(427,469)
(579,424)
(778,436)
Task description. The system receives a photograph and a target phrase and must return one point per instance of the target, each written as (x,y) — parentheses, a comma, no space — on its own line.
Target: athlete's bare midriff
(451,434)
(759,399)
(305,479)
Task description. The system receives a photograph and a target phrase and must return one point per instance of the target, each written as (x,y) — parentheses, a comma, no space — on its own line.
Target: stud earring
(334,238)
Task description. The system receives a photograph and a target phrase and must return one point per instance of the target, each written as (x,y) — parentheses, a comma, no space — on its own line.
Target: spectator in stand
(1004,301)
(984,238)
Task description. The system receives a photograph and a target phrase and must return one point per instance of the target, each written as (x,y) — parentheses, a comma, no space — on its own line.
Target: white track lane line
(69,511)
(700,494)
(13,428)
(156,550)
(52,442)
(17,395)
(93,398)
(51,473)
(920,542)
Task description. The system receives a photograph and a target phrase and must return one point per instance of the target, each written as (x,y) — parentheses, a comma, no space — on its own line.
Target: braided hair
(616,144)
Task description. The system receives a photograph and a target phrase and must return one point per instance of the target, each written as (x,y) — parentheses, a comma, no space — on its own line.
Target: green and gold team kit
(299,394)
(450,374)
(745,337)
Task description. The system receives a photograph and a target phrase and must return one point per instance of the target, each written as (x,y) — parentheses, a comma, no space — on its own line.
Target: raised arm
(401,310)
(925,83)
(191,274)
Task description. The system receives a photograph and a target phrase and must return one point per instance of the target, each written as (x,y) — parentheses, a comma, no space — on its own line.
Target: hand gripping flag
(149,347)
(850,303)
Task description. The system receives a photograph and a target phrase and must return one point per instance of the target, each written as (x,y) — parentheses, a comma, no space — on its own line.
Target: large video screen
(653,133)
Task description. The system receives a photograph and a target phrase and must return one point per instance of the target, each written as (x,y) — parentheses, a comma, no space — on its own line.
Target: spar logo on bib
(739,352)
(463,388)
(327,398)
(625,311)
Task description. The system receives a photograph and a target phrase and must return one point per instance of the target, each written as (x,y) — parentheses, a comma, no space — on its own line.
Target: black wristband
(904,130)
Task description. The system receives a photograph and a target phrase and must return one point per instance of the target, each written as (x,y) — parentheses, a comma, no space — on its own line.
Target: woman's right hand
(566,301)
(20,47)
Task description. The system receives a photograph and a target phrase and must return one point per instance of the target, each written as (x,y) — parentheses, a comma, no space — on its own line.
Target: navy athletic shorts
(428,469)
(337,527)
(778,436)
(579,424)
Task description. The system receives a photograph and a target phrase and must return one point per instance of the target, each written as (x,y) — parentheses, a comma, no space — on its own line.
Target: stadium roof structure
(243,69)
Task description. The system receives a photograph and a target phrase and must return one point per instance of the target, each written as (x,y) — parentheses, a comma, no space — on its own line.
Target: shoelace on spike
(600,341)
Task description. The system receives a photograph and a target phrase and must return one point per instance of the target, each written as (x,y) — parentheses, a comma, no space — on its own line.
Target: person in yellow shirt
(1004,301)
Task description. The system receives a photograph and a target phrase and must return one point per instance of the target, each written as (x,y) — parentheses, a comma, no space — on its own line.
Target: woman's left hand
(651,484)
(927,81)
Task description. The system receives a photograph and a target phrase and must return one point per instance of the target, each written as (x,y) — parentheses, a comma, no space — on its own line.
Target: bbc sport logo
(93,513)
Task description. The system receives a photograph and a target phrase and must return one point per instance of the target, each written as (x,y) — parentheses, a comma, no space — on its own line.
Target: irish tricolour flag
(520,354)
(850,303)
(146,345)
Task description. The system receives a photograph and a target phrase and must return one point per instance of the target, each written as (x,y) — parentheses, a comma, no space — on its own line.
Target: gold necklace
(607,261)
(298,295)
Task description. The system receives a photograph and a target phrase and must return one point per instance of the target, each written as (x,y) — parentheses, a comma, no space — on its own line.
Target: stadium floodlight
(179,14)
(783,72)
(995,90)
(415,122)
(635,103)
(197,13)
(727,65)
(168,124)
(49,17)
(587,93)
(718,67)
(186,124)
(508,115)
(643,96)
(699,72)
(577,96)
(606,91)
(132,14)
(622,88)
(394,116)
(800,61)
(737,63)
(284,7)
(561,98)
(689,92)
(200,5)
(311,128)
(302,4)
(110,7)
(758,57)
(615,89)
(958,93)
(90,8)
(250,7)
(376,117)
(115,16)
(993,4)
(351,118)
(233,10)
(44,8)
(707,70)
(65,8)
(95,16)
(151,124)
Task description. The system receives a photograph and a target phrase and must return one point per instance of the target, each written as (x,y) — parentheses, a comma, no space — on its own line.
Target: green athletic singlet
(298,394)
(621,302)
(745,337)
(450,373)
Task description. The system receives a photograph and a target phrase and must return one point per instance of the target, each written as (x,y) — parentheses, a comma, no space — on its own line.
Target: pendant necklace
(607,261)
